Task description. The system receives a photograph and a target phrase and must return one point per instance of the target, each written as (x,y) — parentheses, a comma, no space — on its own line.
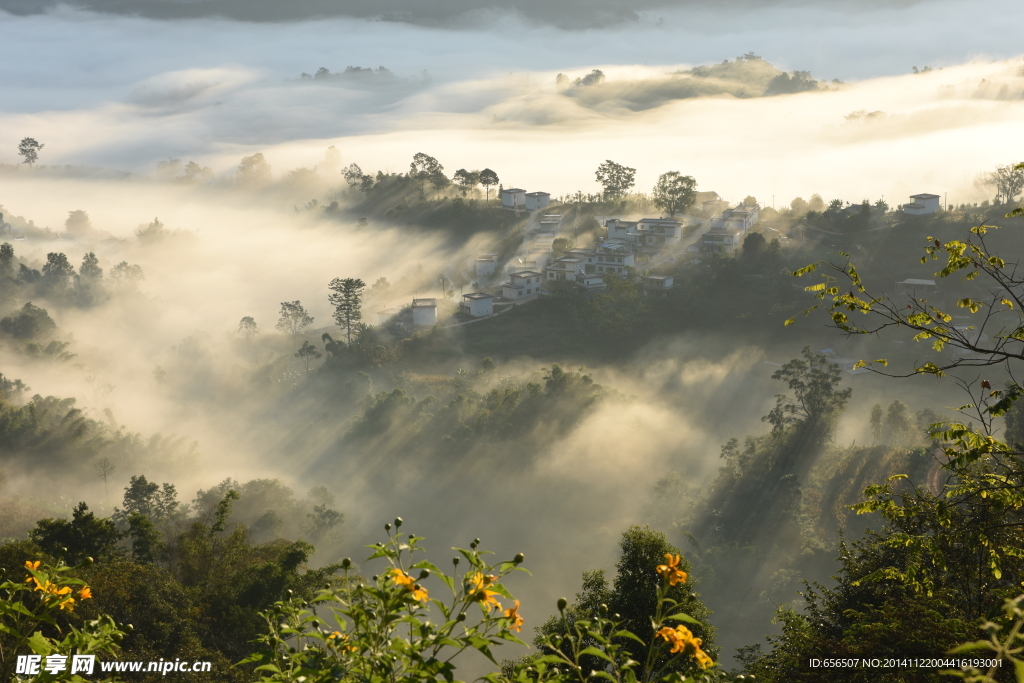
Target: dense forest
(762,500)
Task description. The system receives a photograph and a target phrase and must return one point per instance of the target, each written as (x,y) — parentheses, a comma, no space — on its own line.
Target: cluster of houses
(626,245)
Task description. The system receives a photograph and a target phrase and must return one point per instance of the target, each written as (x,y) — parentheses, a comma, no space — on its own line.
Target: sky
(215,89)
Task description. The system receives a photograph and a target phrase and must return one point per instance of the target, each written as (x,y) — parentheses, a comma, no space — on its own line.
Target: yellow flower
(682,640)
(400,578)
(671,571)
(67,603)
(29,564)
(85,593)
(478,590)
(513,614)
(340,640)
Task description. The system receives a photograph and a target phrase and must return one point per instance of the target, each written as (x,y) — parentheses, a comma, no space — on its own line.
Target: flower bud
(129,627)
(346,563)
(88,562)
(562,604)
(461,617)
(424,574)
(455,560)
(518,559)
(387,527)
(602,609)
(398,522)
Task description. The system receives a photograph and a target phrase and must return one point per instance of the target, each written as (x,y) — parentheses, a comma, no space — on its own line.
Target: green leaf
(972,646)
(627,634)
(596,653)
(39,644)
(1018,667)
(682,616)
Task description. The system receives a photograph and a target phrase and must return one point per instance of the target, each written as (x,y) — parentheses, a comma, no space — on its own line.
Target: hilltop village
(552,254)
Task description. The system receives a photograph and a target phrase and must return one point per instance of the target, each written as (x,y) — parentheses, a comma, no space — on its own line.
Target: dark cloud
(569,14)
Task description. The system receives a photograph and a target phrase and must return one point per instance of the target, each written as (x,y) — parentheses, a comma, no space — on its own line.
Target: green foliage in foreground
(947,560)
(382,631)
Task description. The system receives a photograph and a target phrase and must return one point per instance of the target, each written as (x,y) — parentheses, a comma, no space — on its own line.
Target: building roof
(659,220)
(657,277)
(924,196)
(486,257)
(424,303)
(525,273)
(477,296)
(538,194)
(513,189)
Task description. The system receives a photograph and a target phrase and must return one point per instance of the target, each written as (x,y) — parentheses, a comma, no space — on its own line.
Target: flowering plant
(30,624)
(381,630)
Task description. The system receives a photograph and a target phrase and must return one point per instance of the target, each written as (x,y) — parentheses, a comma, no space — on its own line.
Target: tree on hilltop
(675,193)
(29,148)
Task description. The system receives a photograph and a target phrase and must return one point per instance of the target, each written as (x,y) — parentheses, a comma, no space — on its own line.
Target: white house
(565,269)
(523,284)
(590,282)
(486,264)
(657,285)
(742,217)
(513,198)
(537,200)
(610,258)
(922,204)
(424,311)
(721,239)
(477,304)
(621,231)
(658,232)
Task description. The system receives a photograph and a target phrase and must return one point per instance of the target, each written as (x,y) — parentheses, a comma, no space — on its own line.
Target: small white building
(621,231)
(592,282)
(513,198)
(610,258)
(565,269)
(922,204)
(523,284)
(486,264)
(742,217)
(659,232)
(477,304)
(424,311)
(537,200)
(721,240)
(657,285)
